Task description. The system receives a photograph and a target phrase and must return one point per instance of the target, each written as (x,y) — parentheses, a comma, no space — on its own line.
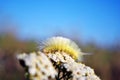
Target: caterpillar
(61,44)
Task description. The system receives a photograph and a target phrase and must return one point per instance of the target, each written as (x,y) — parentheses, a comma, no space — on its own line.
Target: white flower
(79,70)
(39,66)
(63,53)
(32,70)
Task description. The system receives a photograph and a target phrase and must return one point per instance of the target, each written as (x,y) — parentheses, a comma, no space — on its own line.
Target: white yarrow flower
(39,66)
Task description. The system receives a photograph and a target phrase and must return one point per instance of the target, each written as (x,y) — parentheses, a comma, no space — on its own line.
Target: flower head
(38,66)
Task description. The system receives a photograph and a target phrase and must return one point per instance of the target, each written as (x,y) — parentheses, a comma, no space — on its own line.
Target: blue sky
(86,19)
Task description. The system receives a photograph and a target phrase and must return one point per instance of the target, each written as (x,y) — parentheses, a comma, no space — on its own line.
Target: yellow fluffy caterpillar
(61,44)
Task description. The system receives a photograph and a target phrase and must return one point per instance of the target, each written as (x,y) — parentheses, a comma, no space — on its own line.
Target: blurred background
(93,24)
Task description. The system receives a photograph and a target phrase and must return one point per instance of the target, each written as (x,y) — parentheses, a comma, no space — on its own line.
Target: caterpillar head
(61,44)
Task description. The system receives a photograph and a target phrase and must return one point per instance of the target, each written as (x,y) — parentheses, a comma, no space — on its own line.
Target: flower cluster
(67,65)
(39,67)
(56,60)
